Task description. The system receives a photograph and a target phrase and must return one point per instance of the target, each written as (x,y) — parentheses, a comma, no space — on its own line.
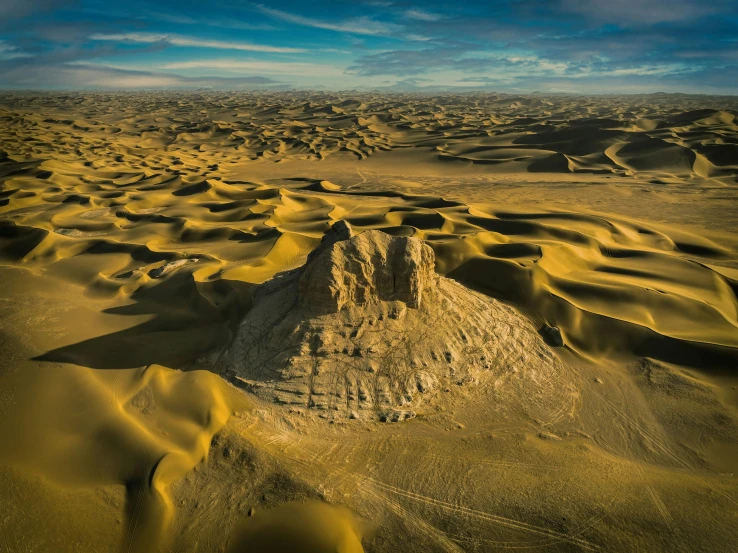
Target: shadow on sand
(189,318)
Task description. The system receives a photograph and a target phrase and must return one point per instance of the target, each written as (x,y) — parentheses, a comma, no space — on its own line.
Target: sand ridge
(135,227)
(656,136)
(563,267)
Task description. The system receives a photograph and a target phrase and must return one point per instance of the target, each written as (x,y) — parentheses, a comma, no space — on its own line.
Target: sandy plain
(134,228)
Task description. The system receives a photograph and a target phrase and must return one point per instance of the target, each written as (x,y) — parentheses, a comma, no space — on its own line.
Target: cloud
(407,62)
(643,12)
(422,15)
(357,25)
(10,52)
(261,66)
(92,76)
(11,10)
(671,69)
(221,22)
(465,65)
(177,40)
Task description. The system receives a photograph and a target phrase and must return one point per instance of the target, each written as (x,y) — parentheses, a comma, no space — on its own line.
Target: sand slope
(134,227)
(651,286)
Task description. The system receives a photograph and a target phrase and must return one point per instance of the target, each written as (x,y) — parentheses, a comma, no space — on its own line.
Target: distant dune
(135,227)
(661,136)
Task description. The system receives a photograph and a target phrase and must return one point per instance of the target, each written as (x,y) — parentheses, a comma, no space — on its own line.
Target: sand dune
(134,228)
(654,136)
(584,271)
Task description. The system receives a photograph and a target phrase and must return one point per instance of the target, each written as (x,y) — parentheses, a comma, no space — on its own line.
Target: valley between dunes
(135,227)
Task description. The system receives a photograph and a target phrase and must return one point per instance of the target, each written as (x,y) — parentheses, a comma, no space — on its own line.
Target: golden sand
(133,228)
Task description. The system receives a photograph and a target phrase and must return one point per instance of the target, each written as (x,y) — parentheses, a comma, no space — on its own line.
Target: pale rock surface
(370,268)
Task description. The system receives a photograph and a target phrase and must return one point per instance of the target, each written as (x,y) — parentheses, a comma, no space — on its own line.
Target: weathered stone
(425,382)
(339,231)
(366,326)
(553,334)
(368,268)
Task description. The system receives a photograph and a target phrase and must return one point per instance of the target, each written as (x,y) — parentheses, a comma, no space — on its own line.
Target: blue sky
(581,46)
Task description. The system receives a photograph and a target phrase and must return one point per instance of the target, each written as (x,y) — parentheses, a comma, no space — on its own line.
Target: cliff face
(369,268)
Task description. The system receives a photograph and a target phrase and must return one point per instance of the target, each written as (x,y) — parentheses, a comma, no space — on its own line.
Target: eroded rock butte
(368,329)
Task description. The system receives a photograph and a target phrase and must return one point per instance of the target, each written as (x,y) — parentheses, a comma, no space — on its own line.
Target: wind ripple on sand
(133,203)
(611,284)
(659,137)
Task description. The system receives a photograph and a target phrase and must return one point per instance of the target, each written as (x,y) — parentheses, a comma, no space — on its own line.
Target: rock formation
(373,267)
(367,329)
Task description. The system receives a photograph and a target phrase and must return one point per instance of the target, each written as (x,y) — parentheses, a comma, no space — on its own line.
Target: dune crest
(308,527)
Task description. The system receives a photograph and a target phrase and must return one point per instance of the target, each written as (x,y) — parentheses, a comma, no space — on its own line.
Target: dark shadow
(190,319)
(550,336)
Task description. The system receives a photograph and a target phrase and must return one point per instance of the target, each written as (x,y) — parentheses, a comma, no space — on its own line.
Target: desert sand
(365,322)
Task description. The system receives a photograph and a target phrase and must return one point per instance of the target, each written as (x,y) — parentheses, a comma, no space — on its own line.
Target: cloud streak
(643,12)
(271,67)
(422,15)
(176,40)
(358,25)
(10,52)
(98,77)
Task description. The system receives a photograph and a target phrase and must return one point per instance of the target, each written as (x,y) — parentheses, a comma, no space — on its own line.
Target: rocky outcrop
(369,268)
(367,330)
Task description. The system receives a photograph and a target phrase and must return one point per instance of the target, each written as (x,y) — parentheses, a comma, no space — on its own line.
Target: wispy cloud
(670,69)
(260,66)
(357,25)
(223,23)
(177,40)
(148,14)
(422,15)
(463,64)
(643,12)
(11,10)
(96,76)
(10,52)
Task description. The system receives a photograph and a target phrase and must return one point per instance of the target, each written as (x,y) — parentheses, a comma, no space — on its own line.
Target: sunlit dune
(346,322)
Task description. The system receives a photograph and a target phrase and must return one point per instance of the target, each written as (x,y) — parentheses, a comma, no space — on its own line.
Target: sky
(554,46)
